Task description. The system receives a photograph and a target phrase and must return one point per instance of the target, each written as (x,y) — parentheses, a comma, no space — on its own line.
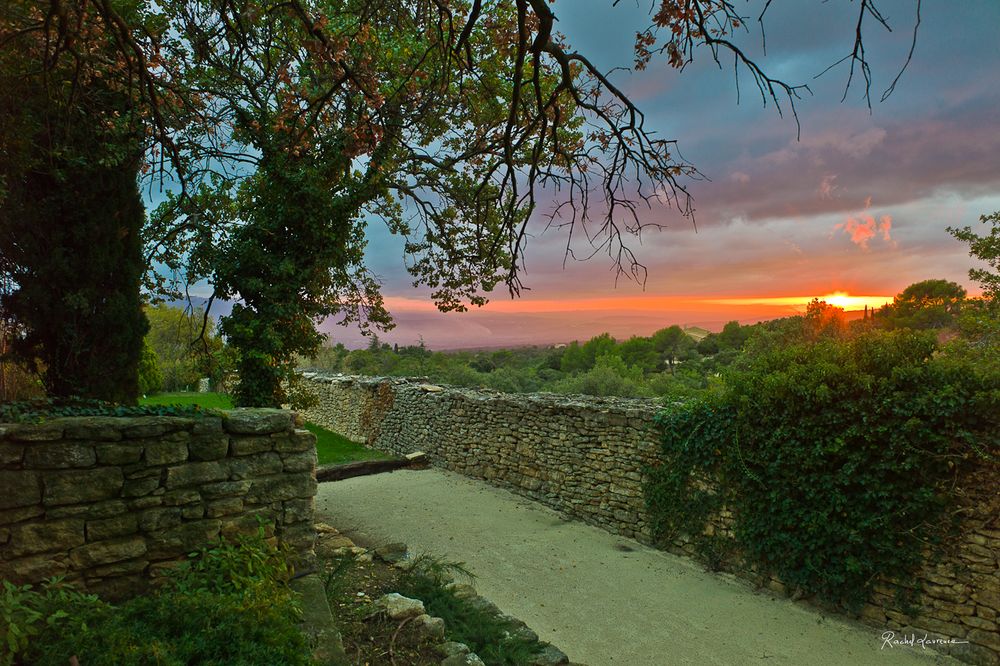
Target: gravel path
(602,599)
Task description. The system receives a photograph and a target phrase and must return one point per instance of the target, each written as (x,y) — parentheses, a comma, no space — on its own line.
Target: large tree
(71,216)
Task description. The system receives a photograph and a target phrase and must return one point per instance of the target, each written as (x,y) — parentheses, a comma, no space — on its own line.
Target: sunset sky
(858,206)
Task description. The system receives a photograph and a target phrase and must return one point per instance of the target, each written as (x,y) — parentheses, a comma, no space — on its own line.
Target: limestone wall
(580,456)
(111,502)
(585,456)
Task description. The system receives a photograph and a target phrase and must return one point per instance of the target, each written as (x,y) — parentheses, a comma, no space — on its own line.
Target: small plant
(491,636)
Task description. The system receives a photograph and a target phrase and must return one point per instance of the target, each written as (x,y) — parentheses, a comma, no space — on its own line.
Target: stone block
(257,421)
(19,489)
(301,536)
(140,487)
(106,552)
(209,425)
(990,639)
(160,518)
(209,447)
(193,511)
(82,486)
(246,446)
(118,454)
(109,528)
(197,473)
(225,489)
(226,506)
(60,455)
(181,497)
(303,461)
(31,432)
(34,569)
(141,427)
(166,453)
(248,467)
(299,440)
(49,535)
(298,510)
(245,525)
(146,502)
(91,511)
(123,568)
(281,487)
(183,539)
(100,428)
(11,454)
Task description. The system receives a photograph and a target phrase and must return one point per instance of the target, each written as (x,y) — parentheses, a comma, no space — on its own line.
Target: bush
(229,605)
(835,457)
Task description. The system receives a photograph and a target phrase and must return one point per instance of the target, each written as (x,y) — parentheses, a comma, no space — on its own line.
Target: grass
(331,447)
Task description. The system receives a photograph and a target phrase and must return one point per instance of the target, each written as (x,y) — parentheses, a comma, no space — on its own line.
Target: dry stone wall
(585,456)
(581,456)
(110,502)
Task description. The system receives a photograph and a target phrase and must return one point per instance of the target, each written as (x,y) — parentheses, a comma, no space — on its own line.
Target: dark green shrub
(835,457)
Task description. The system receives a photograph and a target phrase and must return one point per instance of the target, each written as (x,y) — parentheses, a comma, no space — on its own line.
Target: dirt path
(602,599)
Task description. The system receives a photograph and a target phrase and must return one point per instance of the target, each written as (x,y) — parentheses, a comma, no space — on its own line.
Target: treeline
(671,363)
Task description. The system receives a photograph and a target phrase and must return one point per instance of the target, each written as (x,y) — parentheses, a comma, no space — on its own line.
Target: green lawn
(330,446)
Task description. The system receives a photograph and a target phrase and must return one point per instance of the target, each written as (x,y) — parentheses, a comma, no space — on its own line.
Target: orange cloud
(862,228)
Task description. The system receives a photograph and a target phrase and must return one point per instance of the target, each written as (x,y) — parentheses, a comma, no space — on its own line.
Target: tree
(926,304)
(70,212)
(984,248)
(733,336)
(186,347)
(464,114)
(671,343)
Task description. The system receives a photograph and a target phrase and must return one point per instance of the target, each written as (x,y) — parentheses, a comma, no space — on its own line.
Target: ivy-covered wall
(111,502)
(586,458)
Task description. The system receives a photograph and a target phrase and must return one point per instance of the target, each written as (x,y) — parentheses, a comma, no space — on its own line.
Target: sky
(856,203)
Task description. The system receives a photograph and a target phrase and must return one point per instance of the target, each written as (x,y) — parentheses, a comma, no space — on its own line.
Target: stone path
(602,599)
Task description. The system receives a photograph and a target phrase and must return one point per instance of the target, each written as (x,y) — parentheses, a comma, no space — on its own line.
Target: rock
(391,552)
(247,446)
(328,545)
(452,649)
(59,455)
(279,487)
(118,454)
(399,607)
(193,474)
(106,552)
(430,388)
(549,656)
(208,447)
(250,467)
(82,486)
(318,621)
(432,627)
(166,453)
(469,659)
(31,538)
(417,458)
(257,421)
(324,528)
(19,489)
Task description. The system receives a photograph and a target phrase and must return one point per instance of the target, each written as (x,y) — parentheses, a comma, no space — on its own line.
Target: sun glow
(839,299)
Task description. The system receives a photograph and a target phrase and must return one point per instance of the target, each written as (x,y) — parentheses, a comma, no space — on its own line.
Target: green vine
(835,457)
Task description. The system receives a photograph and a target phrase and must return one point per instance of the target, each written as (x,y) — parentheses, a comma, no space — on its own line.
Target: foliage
(187,347)
(231,605)
(926,304)
(834,454)
(489,635)
(985,248)
(70,213)
(150,376)
(37,411)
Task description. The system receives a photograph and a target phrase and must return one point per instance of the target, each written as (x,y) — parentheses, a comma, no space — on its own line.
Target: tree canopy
(282,127)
